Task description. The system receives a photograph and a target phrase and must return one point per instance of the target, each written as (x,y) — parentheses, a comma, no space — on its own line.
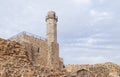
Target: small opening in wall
(38,50)
(63,66)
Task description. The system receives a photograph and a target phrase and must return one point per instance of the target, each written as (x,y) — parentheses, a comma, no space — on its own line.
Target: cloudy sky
(88,30)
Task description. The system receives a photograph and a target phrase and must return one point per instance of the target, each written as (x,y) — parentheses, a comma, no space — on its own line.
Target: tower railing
(26,33)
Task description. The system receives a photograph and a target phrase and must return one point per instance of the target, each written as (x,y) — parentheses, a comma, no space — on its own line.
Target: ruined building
(28,55)
(42,51)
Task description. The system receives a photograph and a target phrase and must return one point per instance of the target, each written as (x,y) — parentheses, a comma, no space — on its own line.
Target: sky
(88,30)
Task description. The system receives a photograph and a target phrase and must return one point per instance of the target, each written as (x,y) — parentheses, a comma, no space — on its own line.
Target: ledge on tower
(51,15)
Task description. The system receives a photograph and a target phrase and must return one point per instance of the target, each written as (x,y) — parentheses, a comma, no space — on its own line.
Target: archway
(84,73)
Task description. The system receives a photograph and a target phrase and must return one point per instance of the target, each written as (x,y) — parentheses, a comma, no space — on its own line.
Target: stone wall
(36,48)
(14,62)
(40,52)
(61,63)
(98,70)
(13,58)
(54,55)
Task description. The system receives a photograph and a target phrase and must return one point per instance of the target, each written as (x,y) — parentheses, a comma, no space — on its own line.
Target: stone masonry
(98,70)
(43,52)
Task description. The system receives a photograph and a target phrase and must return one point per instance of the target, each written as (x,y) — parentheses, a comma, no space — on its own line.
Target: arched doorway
(84,73)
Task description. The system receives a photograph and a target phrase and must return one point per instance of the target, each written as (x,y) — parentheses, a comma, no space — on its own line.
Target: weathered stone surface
(13,58)
(98,70)
(14,62)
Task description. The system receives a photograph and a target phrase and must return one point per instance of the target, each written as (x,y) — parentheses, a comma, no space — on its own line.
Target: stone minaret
(51,20)
(53,51)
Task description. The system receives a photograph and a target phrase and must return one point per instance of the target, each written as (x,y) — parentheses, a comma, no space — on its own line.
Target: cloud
(85,2)
(96,13)
(86,28)
(79,55)
(98,16)
(102,1)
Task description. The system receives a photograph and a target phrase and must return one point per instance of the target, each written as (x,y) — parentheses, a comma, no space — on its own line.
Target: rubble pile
(13,58)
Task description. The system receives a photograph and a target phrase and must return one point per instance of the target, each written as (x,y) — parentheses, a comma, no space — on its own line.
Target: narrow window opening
(38,50)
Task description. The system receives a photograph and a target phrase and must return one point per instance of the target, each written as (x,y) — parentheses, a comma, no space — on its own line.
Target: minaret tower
(51,21)
(53,51)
